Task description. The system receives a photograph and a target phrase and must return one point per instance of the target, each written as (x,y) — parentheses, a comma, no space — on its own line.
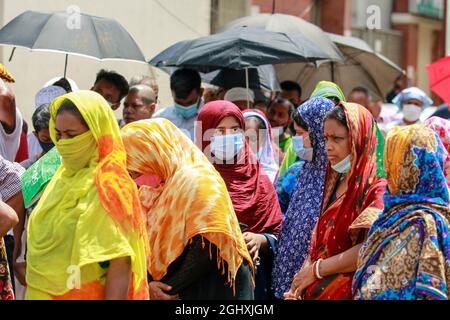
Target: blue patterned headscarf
(304,208)
(407,253)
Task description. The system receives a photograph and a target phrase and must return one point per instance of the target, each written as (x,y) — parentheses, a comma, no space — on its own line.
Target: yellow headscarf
(89,213)
(191,200)
(5,75)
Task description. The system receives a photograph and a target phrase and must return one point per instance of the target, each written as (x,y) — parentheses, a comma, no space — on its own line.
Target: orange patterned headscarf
(191,199)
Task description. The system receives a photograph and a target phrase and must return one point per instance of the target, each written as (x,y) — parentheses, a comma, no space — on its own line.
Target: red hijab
(253,195)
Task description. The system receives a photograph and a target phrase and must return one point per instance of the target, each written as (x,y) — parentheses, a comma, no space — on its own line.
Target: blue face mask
(227,147)
(344,166)
(299,148)
(46,147)
(189,111)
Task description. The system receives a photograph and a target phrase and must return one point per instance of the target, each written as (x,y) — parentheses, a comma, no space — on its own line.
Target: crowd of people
(229,194)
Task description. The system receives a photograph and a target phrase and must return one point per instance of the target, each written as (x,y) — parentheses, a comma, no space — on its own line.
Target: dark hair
(334,99)
(41,117)
(291,86)
(337,114)
(183,81)
(284,102)
(64,83)
(298,119)
(362,90)
(115,79)
(70,107)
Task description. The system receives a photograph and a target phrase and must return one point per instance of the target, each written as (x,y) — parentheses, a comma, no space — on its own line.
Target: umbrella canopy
(439,77)
(239,48)
(291,25)
(94,37)
(262,77)
(362,66)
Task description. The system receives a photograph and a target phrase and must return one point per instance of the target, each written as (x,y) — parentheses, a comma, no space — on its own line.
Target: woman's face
(228,125)
(68,126)
(337,143)
(255,137)
(299,131)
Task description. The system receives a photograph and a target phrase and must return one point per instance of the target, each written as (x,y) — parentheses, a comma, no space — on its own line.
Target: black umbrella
(240,48)
(262,77)
(90,36)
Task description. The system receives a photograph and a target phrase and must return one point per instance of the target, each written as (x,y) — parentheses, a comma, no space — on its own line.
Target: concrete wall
(154,25)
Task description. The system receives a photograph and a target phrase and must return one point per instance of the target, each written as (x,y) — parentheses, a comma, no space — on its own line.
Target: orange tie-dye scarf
(191,200)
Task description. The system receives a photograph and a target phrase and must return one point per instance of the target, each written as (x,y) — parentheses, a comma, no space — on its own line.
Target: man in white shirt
(10,123)
(187,95)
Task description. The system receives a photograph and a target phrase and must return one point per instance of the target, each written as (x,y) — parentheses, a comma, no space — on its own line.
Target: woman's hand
(254,242)
(157,291)
(302,280)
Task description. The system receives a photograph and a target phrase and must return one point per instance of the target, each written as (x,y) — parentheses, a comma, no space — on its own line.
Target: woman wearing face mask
(304,207)
(253,195)
(301,144)
(86,236)
(352,200)
(259,134)
(197,250)
(407,253)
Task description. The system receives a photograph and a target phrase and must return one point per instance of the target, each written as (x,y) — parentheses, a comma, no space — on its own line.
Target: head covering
(412,93)
(253,195)
(442,128)
(89,213)
(414,223)
(304,207)
(73,84)
(327,89)
(191,200)
(239,94)
(267,155)
(343,222)
(5,75)
(47,94)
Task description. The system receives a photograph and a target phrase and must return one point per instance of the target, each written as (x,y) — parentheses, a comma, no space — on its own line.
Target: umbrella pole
(332,71)
(12,54)
(65,65)
(246,86)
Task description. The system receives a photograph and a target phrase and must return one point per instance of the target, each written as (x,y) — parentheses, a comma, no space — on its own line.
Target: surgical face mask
(411,112)
(342,167)
(227,147)
(299,147)
(46,147)
(277,131)
(189,111)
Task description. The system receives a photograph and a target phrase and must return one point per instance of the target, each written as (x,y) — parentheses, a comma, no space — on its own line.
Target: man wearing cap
(242,97)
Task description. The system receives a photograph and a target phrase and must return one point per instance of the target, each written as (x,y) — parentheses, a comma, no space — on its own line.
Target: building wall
(154,25)
(298,8)
(224,11)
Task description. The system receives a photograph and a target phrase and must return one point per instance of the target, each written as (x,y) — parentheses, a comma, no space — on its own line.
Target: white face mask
(228,146)
(299,148)
(277,131)
(411,112)
(344,166)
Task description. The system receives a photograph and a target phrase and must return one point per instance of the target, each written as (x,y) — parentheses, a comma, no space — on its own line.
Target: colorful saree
(442,128)
(89,213)
(191,198)
(407,253)
(343,223)
(6,289)
(304,207)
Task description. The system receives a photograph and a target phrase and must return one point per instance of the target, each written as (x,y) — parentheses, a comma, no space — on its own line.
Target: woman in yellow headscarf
(197,250)
(86,237)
